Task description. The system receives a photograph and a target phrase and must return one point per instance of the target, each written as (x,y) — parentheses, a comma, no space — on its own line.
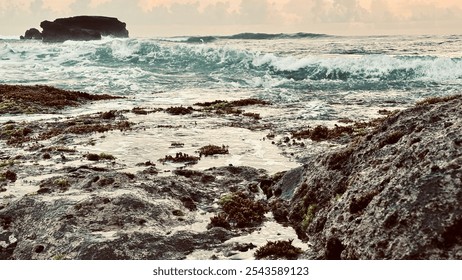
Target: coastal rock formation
(79,28)
(15,99)
(32,34)
(95,213)
(393,194)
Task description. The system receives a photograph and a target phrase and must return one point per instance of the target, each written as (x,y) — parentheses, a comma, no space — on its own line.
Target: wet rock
(8,243)
(81,215)
(244,247)
(211,150)
(189,203)
(267,185)
(55,184)
(153,246)
(394,194)
(291,180)
(15,99)
(10,175)
(98,157)
(180,110)
(280,210)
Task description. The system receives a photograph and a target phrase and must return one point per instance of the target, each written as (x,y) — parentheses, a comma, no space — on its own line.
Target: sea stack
(32,34)
(79,28)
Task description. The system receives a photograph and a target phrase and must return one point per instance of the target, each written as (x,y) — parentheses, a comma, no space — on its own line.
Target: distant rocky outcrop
(79,28)
(393,194)
(32,33)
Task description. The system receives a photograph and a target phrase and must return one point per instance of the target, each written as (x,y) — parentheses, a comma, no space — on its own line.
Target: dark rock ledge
(394,194)
(18,99)
(79,28)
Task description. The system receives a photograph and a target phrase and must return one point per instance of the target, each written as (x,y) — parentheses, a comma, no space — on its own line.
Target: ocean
(308,71)
(308,78)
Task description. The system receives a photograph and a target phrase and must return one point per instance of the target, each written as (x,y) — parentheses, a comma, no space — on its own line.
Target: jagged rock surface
(394,194)
(91,213)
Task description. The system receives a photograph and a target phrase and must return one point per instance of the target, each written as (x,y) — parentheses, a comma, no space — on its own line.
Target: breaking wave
(171,65)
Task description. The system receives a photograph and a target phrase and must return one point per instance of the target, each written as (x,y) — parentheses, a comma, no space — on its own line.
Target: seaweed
(254,116)
(322,133)
(249,102)
(236,103)
(16,99)
(98,157)
(240,211)
(434,100)
(179,110)
(60,184)
(211,150)
(278,250)
(222,107)
(309,216)
(180,158)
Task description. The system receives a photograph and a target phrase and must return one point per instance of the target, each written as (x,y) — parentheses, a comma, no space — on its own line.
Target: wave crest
(165,62)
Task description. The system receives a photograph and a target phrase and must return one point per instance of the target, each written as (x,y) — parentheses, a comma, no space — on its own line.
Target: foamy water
(309,79)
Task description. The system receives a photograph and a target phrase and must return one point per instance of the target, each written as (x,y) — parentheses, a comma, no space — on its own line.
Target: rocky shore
(390,190)
(395,193)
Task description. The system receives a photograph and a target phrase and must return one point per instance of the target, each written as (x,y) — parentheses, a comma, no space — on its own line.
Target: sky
(157,18)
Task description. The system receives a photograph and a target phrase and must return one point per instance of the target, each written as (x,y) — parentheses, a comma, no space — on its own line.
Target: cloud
(58,6)
(96,3)
(201,6)
(214,16)
(17,5)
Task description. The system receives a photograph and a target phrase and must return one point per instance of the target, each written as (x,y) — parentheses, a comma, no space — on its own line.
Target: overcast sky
(216,17)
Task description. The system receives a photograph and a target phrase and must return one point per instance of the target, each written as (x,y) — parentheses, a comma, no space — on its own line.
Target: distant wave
(8,37)
(240,36)
(201,39)
(267,36)
(246,36)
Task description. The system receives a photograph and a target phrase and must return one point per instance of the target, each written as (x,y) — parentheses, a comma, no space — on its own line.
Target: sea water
(311,72)
(308,79)
(320,75)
